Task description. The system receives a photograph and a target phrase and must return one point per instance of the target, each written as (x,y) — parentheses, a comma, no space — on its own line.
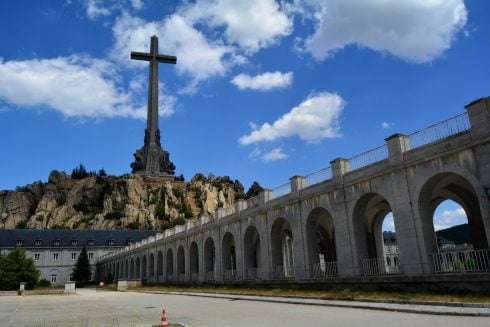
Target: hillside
(458,234)
(97,201)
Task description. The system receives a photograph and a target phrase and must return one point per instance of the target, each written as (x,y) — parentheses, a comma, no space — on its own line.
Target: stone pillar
(70,288)
(297,184)
(479,114)
(240,205)
(397,145)
(340,166)
(264,197)
(22,288)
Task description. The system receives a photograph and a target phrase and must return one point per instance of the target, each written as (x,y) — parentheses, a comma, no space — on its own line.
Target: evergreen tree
(82,267)
(254,190)
(15,268)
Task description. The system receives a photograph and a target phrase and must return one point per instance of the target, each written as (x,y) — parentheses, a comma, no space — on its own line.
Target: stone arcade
(327,225)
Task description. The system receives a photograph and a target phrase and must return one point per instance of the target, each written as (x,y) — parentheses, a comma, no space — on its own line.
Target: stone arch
(151,267)
(209,259)
(144,267)
(131,269)
(251,252)
(368,216)
(228,256)
(159,264)
(458,188)
(170,264)
(320,243)
(181,262)
(55,276)
(367,220)
(282,249)
(138,268)
(194,261)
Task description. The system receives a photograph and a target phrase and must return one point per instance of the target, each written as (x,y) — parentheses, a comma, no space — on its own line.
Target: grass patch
(345,294)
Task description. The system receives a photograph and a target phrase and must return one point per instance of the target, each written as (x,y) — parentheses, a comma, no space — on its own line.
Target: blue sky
(261,91)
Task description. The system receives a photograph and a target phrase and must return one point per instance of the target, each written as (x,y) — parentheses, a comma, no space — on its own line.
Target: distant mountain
(458,234)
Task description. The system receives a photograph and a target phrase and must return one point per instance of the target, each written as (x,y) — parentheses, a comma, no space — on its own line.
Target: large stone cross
(151,159)
(154,58)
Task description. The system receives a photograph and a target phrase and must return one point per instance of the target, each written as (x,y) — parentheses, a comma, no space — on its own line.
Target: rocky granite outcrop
(128,201)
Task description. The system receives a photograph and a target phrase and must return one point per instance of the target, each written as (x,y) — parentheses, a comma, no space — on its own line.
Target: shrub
(44,283)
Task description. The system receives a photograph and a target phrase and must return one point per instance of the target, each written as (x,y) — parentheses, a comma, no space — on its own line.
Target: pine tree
(81,272)
(15,268)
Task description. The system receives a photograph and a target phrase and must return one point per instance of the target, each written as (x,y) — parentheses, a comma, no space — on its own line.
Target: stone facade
(328,224)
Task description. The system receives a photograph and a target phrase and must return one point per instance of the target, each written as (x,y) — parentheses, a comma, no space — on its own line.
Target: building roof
(70,237)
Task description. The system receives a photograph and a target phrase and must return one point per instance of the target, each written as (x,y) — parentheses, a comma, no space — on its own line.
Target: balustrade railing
(323,269)
(281,191)
(436,132)
(368,158)
(281,272)
(318,177)
(465,261)
(229,274)
(379,266)
(210,276)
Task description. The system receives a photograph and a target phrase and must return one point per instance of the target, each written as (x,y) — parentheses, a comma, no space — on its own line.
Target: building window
(74,256)
(56,242)
(71,277)
(37,256)
(38,242)
(54,277)
(55,256)
(110,242)
(91,256)
(129,242)
(19,242)
(74,242)
(91,242)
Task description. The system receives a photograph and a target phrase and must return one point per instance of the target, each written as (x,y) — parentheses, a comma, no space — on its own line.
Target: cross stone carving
(151,159)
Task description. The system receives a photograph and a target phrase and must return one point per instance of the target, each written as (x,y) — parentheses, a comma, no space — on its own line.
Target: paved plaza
(90,308)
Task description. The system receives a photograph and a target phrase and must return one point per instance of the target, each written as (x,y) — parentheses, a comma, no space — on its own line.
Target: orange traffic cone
(164,319)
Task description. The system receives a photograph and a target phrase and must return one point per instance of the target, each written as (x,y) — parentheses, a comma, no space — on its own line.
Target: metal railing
(281,191)
(281,272)
(253,202)
(318,177)
(170,278)
(181,277)
(369,157)
(379,266)
(323,269)
(461,261)
(439,131)
(195,277)
(252,273)
(229,274)
(210,276)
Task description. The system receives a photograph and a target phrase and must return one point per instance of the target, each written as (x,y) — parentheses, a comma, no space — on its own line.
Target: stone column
(340,166)
(397,145)
(479,114)
(264,197)
(297,184)
(240,205)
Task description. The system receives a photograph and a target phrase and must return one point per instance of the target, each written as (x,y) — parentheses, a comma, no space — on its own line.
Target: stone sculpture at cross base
(152,159)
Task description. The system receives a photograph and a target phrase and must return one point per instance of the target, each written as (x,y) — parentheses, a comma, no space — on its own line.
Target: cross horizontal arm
(148,57)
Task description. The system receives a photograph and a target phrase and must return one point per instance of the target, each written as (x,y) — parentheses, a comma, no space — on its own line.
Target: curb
(354,304)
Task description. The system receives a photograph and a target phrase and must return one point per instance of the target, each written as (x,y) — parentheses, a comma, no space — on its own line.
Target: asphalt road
(89,308)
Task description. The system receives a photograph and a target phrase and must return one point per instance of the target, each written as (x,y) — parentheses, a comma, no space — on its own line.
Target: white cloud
(450,218)
(386,125)
(196,57)
(415,30)
(137,4)
(75,86)
(251,24)
(263,82)
(96,10)
(314,119)
(274,155)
